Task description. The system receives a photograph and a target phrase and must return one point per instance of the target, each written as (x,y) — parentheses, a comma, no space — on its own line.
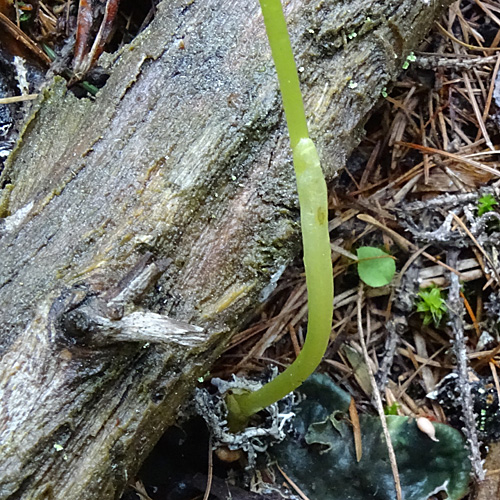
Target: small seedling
(375,267)
(431,305)
(411,58)
(393,409)
(485,204)
(24,11)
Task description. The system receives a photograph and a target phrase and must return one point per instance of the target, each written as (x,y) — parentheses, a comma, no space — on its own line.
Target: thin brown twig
(210,472)
(479,247)
(378,398)
(293,484)
(17,98)
(139,488)
(358,444)
(421,367)
(453,156)
(9,27)
(494,373)
(445,32)
(488,12)
(490,92)
(475,107)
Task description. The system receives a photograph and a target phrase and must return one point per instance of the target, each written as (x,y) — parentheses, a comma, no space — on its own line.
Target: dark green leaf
(320,455)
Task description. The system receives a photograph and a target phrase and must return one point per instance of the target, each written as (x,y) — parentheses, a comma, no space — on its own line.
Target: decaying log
(141,228)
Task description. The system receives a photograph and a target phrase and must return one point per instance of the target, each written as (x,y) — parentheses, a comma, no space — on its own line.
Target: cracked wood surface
(182,163)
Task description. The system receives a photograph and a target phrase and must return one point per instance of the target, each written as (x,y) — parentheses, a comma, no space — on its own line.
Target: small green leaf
(485,204)
(411,58)
(375,267)
(431,305)
(393,409)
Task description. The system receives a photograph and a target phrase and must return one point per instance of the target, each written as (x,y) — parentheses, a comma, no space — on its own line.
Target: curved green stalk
(312,193)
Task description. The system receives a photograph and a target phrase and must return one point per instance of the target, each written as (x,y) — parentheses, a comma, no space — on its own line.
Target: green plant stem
(312,193)
(281,49)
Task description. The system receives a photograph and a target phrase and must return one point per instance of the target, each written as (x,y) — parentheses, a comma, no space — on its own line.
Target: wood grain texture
(181,162)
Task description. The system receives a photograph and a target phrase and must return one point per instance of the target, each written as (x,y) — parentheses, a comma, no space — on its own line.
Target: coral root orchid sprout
(311,188)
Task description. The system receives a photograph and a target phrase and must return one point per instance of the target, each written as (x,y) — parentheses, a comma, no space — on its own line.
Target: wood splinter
(115,316)
(85,325)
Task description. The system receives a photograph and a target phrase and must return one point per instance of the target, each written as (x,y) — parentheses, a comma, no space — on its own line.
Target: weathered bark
(178,176)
